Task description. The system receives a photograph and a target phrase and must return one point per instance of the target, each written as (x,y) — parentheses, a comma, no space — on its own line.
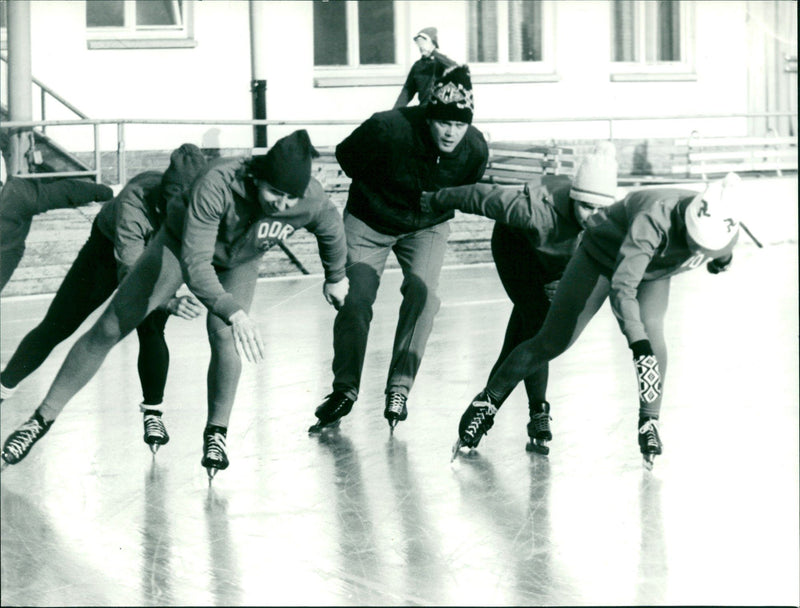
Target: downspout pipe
(20,97)
(258,82)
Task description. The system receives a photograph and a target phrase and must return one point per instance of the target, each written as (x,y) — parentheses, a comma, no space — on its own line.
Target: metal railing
(610,122)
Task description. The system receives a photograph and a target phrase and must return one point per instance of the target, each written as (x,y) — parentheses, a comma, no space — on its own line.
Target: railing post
(121,161)
(98,161)
(43,97)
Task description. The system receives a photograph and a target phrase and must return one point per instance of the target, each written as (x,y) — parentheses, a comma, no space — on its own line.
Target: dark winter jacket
(421,76)
(392,159)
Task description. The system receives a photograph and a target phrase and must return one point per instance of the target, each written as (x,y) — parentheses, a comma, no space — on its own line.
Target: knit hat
(185,164)
(596,179)
(431,33)
(712,218)
(451,98)
(287,165)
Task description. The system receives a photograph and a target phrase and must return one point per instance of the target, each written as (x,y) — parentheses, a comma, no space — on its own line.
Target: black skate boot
(155,433)
(336,406)
(215,452)
(539,428)
(395,410)
(649,441)
(20,442)
(475,422)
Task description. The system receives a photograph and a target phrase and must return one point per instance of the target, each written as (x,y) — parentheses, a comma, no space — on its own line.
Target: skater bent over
(119,234)
(628,252)
(529,259)
(236,210)
(21,199)
(392,158)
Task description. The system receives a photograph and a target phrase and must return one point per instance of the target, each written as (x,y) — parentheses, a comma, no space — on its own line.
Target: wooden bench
(515,163)
(702,157)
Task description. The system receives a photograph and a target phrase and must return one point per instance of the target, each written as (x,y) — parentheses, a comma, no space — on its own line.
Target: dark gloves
(425,201)
(719,264)
(647,371)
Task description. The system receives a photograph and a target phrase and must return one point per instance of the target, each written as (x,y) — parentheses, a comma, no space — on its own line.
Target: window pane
(524,30)
(624,30)
(482,23)
(158,12)
(105,13)
(330,33)
(669,27)
(376,32)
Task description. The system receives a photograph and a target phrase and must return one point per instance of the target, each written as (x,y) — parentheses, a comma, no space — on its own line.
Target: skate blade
(3,464)
(212,472)
(539,448)
(319,427)
(154,448)
(648,460)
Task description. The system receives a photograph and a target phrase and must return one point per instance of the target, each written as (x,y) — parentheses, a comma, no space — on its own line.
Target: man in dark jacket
(21,199)
(392,158)
(426,70)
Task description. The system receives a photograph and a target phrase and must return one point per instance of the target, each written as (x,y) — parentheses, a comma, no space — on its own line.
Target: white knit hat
(596,179)
(712,218)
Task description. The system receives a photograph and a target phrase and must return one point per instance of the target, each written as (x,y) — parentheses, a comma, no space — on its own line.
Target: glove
(718,265)
(185,307)
(647,371)
(550,290)
(335,293)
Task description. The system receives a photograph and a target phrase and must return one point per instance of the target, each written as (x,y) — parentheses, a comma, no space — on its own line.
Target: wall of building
(212,79)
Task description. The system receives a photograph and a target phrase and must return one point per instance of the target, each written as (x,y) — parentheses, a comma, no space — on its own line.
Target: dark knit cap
(287,165)
(185,164)
(431,33)
(451,98)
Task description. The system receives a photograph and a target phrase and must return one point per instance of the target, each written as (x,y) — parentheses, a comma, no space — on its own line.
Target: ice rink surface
(358,517)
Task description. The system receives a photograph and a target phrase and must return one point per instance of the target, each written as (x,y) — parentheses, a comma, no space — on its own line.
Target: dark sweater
(392,159)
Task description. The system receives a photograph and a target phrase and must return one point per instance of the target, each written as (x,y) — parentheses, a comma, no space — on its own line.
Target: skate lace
(153,427)
(215,449)
(24,438)
(541,421)
(396,403)
(484,410)
(650,430)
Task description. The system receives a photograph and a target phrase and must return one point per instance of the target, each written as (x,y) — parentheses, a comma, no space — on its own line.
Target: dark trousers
(91,279)
(523,277)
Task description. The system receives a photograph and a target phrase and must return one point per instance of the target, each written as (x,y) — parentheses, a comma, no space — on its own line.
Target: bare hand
(246,337)
(335,293)
(550,290)
(185,307)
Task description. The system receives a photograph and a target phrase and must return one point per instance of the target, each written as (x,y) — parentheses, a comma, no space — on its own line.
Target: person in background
(392,158)
(531,259)
(237,209)
(21,199)
(425,70)
(628,253)
(118,237)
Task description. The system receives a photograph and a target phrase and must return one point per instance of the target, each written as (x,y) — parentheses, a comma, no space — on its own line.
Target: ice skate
(155,433)
(539,428)
(20,442)
(395,410)
(649,441)
(329,413)
(475,422)
(215,452)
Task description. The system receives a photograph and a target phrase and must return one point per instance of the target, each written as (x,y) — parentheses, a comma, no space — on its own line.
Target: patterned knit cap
(451,98)
(712,218)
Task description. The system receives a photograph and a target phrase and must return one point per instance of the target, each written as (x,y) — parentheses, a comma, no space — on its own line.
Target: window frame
(642,70)
(504,70)
(354,74)
(132,36)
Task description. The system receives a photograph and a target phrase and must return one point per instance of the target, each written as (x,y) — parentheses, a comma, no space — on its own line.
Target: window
(351,34)
(514,35)
(650,36)
(143,20)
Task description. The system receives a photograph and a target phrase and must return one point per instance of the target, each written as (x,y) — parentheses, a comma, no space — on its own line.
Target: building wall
(212,79)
